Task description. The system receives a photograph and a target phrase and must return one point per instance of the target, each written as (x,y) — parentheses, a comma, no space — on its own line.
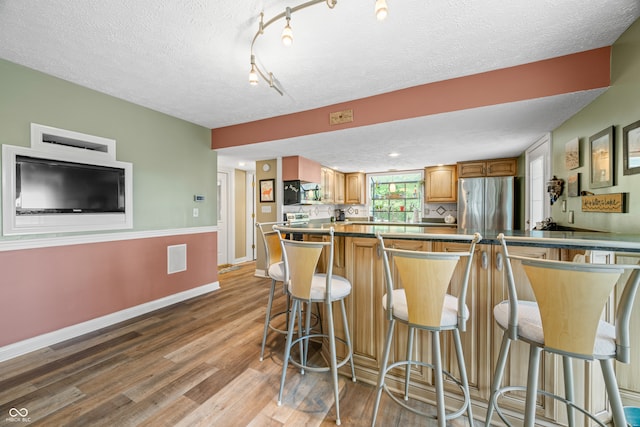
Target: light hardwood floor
(195,363)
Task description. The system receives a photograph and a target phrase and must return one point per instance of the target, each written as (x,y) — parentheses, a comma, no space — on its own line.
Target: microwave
(297,192)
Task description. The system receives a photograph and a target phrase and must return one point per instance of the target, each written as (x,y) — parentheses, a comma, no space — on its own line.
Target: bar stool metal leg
(287,349)
(437,364)
(567,367)
(267,318)
(348,339)
(463,373)
(410,336)
(619,418)
(497,376)
(532,386)
(333,362)
(383,369)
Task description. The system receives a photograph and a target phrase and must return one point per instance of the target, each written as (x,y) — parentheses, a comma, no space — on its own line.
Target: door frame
(540,148)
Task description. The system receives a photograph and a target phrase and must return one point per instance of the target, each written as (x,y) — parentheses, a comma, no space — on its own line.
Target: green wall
(172,159)
(619,106)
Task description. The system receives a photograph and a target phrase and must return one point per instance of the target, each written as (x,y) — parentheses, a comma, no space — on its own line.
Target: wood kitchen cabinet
(495,167)
(339,188)
(355,189)
(441,184)
(327,176)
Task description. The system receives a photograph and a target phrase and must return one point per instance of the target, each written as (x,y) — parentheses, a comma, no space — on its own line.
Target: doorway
(538,171)
(223,219)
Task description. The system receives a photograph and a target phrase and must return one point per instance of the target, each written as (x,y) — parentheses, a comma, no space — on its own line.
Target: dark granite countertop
(593,240)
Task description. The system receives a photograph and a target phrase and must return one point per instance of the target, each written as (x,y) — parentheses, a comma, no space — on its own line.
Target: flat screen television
(70,190)
(47,186)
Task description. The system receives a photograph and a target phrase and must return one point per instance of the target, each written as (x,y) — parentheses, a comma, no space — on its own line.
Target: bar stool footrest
(449,416)
(339,363)
(502,391)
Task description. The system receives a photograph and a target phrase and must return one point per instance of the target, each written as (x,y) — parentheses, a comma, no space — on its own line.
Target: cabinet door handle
(485,260)
(499,260)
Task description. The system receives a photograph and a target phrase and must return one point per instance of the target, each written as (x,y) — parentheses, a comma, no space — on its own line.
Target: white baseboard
(23,347)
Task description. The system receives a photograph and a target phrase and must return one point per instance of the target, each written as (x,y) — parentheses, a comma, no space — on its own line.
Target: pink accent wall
(565,74)
(45,289)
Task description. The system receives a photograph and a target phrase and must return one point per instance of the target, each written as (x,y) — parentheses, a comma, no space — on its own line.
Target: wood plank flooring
(195,363)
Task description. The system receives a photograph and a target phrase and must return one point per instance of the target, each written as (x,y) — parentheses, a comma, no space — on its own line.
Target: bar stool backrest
(425,277)
(571,298)
(300,263)
(272,247)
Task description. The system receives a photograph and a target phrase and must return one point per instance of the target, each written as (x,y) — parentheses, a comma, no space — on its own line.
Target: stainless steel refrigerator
(485,203)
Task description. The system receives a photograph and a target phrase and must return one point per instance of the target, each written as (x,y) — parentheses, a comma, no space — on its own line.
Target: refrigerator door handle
(485,260)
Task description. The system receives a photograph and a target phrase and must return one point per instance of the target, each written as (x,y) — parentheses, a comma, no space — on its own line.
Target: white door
(538,172)
(223,218)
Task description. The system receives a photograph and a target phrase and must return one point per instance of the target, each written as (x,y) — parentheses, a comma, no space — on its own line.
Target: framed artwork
(631,148)
(267,190)
(573,185)
(572,154)
(602,156)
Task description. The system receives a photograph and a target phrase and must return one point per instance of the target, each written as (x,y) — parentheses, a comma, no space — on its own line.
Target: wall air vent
(70,142)
(50,139)
(176,258)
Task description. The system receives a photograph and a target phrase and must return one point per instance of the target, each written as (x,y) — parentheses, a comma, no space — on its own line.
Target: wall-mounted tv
(53,192)
(47,186)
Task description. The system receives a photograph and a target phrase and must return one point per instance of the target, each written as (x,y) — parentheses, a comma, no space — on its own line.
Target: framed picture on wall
(602,156)
(572,154)
(267,190)
(631,148)
(573,185)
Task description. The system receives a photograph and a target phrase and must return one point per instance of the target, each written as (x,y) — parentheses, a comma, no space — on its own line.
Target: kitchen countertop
(593,240)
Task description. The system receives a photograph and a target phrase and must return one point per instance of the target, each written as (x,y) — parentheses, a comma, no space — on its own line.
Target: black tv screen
(52,186)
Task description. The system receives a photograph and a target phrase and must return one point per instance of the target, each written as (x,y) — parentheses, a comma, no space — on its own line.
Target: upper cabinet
(441,184)
(496,167)
(300,168)
(355,189)
(327,183)
(338,187)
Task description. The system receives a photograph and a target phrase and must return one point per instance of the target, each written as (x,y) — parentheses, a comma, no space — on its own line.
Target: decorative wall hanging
(608,203)
(573,185)
(267,190)
(631,148)
(572,154)
(602,156)
(554,188)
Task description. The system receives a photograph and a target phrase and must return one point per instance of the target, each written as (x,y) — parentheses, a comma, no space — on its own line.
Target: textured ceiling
(190,59)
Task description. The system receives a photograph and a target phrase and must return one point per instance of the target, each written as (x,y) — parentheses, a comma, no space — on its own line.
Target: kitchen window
(394,197)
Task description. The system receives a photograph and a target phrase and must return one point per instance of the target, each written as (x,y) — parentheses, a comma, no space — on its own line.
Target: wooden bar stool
(564,320)
(424,304)
(306,287)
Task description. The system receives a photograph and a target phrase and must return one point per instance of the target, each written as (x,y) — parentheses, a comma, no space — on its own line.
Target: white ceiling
(190,59)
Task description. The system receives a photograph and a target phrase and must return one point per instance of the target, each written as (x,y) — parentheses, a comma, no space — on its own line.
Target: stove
(297,218)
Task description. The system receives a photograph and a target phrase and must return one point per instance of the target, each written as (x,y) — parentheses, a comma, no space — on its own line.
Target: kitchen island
(357,258)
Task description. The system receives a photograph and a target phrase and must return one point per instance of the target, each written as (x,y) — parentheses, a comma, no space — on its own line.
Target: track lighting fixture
(255,73)
(381,9)
(287,33)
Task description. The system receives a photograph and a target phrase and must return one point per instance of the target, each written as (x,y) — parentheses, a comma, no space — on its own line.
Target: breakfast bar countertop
(594,240)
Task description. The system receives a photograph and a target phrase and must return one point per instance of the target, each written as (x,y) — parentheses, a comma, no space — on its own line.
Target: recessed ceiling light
(394,154)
